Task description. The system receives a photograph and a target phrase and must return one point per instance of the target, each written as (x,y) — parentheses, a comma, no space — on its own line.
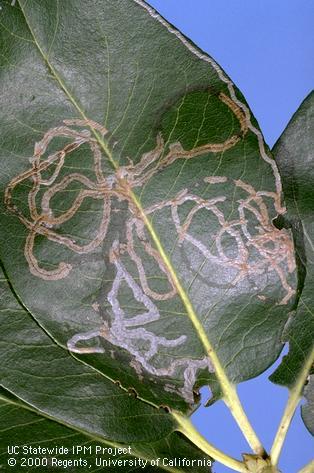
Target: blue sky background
(267,48)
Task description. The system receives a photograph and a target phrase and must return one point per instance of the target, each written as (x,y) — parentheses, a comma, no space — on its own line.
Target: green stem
(232,401)
(230,395)
(294,399)
(186,428)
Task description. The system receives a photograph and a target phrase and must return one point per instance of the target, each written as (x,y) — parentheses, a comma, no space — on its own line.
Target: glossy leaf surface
(137,194)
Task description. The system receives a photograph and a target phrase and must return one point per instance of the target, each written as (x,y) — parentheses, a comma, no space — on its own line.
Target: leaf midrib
(182,293)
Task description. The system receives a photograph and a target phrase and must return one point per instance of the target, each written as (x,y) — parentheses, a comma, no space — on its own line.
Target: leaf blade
(238,343)
(49,379)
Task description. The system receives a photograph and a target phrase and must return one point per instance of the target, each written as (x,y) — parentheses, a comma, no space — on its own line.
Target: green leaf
(294,156)
(148,246)
(42,442)
(65,403)
(47,377)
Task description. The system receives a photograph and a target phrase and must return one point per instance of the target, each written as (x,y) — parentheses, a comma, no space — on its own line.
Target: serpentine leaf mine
(274,247)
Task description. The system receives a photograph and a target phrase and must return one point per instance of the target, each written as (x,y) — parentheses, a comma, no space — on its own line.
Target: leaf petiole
(186,428)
